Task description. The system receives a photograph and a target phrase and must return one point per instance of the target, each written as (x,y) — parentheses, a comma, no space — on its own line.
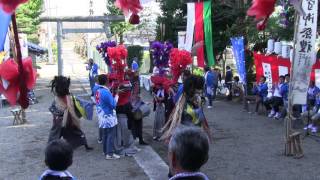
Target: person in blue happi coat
(313,90)
(261,92)
(106,106)
(135,65)
(285,97)
(211,83)
(93,72)
(185,75)
(228,82)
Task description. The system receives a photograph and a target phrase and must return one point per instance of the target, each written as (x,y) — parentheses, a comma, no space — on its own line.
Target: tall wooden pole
(59,45)
(288,122)
(23,100)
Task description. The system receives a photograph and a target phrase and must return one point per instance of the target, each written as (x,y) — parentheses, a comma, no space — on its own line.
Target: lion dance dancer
(119,84)
(188,109)
(161,84)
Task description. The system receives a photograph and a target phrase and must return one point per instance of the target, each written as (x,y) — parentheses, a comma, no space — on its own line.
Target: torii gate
(60,31)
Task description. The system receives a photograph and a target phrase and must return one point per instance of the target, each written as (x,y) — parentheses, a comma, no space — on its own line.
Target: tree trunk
(121,38)
(151,60)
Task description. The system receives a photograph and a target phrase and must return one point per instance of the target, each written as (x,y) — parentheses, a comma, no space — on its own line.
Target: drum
(143,111)
(224,91)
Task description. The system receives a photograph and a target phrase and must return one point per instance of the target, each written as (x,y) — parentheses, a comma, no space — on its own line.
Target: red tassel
(261,9)
(10,5)
(262,24)
(134,19)
(129,6)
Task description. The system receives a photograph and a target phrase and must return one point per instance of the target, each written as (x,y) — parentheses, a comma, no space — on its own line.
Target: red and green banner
(199,29)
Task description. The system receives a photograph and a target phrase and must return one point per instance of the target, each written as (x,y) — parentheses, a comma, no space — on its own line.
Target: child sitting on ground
(58,157)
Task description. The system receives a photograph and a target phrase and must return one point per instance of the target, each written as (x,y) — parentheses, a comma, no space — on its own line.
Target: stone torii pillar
(60,31)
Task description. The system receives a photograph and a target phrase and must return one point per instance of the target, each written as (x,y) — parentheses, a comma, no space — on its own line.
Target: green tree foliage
(117,28)
(135,51)
(173,18)
(229,20)
(28,19)
(224,16)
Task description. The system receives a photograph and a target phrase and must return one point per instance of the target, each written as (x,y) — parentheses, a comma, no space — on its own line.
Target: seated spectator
(313,90)
(279,92)
(315,121)
(228,81)
(261,92)
(237,88)
(312,112)
(285,98)
(58,157)
(188,152)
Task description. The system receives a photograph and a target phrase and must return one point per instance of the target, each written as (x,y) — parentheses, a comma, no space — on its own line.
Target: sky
(81,7)
(74,7)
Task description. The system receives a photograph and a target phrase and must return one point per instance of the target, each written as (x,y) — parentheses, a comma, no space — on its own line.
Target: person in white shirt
(280,91)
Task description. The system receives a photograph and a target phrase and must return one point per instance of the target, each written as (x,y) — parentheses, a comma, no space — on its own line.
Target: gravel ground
(22,147)
(245,146)
(250,147)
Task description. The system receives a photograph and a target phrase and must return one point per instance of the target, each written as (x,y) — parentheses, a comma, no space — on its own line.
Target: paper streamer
(190,26)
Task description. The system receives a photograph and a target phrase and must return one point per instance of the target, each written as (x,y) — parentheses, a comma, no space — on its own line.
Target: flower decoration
(117,56)
(103,49)
(160,54)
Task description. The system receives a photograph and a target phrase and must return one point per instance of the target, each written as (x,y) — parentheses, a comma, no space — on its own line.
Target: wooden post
(61,31)
(293,142)
(288,120)
(59,45)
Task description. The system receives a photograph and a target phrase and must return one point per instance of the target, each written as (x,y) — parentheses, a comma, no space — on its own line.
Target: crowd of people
(275,101)
(274,97)
(179,119)
(120,113)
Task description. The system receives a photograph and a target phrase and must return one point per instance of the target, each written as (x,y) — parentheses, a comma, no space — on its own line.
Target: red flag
(199,32)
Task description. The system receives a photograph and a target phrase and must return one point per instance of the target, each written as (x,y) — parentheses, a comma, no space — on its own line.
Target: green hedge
(135,51)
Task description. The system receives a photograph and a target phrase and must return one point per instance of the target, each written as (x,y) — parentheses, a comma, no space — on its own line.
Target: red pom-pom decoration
(179,60)
(9,72)
(161,81)
(118,55)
